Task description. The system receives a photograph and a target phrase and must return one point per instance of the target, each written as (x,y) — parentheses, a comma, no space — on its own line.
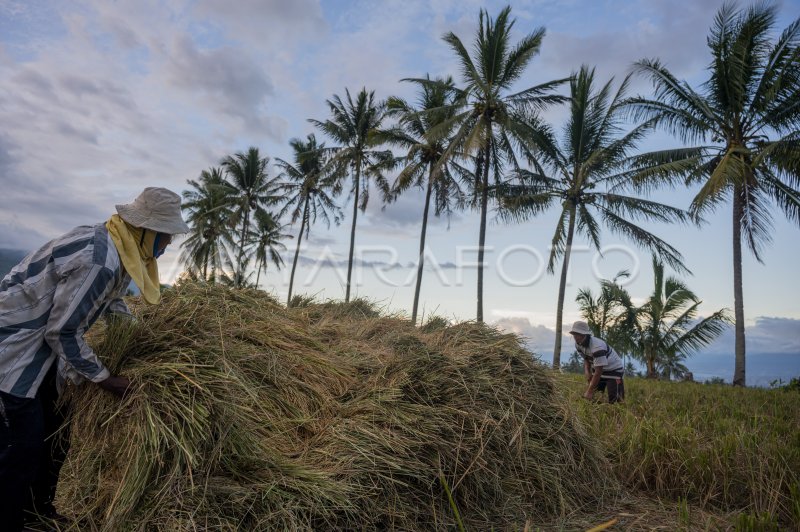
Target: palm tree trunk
(482,233)
(650,357)
(562,288)
(422,246)
(205,264)
(258,274)
(297,251)
(245,226)
(353,230)
(738,300)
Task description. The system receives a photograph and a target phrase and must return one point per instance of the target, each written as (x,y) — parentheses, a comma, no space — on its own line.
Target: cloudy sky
(99,99)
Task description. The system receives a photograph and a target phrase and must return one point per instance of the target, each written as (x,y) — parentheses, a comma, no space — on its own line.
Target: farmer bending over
(47,302)
(601,364)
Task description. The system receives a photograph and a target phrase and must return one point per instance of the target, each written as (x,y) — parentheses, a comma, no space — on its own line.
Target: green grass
(718,447)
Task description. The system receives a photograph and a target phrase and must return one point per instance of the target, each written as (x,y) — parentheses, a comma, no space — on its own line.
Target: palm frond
(645,240)
(787,198)
(703,333)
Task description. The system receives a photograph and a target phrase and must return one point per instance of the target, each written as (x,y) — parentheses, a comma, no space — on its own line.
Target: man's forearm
(595,380)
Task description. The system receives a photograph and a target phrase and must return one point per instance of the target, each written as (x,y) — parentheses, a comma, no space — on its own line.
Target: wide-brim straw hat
(157,209)
(580,327)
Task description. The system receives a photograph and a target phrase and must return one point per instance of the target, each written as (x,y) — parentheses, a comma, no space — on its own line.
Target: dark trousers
(32,450)
(615,387)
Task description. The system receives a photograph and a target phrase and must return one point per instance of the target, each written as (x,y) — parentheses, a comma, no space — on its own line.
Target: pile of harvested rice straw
(247,415)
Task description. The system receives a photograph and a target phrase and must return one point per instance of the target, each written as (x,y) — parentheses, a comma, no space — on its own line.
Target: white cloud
(766,335)
(229,81)
(537,338)
(404,214)
(258,22)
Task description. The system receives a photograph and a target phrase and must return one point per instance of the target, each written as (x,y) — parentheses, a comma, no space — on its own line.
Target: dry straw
(247,415)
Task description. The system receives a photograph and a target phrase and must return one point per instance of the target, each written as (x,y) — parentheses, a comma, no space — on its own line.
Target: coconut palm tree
(584,174)
(208,214)
(671,365)
(353,125)
(234,276)
(611,315)
(491,122)
(249,190)
(420,135)
(742,128)
(309,191)
(266,242)
(667,325)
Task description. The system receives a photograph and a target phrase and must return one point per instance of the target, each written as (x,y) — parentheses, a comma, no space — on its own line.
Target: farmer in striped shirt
(599,357)
(47,302)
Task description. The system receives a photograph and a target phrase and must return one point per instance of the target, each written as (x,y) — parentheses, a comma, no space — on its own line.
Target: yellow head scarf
(136,254)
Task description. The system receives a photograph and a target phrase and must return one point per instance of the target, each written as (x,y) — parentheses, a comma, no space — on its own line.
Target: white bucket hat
(157,209)
(580,327)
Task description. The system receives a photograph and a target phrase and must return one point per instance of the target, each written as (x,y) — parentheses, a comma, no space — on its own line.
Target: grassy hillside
(715,447)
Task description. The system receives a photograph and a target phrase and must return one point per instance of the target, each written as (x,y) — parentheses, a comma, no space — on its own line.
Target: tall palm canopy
(309,187)
(208,216)
(584,175)
(668,326)
(743,130)
(250,190)
(611,315)
(423,132)
(354,125)
(265,240)
(492,123)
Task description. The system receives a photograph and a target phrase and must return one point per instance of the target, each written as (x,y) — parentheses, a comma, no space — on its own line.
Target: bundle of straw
(247,415)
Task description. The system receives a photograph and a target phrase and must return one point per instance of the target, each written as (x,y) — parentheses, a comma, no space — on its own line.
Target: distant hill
(9,258)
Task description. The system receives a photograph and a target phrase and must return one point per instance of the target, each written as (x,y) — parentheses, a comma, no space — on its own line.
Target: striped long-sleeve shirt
(49,300)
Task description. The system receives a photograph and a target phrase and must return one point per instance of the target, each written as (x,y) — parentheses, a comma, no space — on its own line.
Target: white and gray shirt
(49,300)
(602,356)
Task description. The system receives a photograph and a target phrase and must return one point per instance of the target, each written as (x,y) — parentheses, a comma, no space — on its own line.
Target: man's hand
(588,395)
(119,386)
